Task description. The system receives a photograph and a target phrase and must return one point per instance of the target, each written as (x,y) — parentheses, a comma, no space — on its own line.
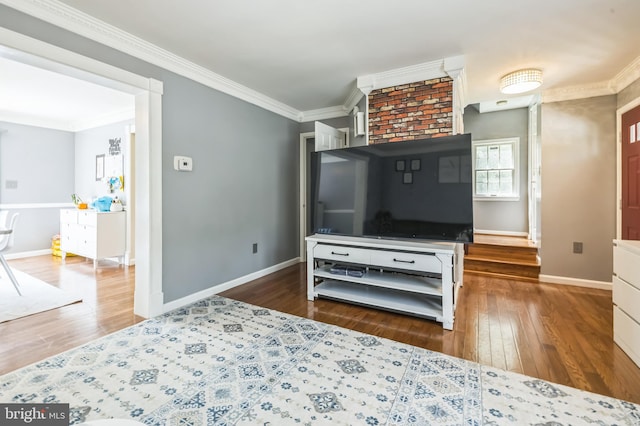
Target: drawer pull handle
(403,261)
(339,254)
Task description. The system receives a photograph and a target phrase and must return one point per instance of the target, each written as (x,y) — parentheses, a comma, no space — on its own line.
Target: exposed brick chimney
(411,111)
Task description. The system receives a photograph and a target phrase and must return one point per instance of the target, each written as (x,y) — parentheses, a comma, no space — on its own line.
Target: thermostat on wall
(182,164)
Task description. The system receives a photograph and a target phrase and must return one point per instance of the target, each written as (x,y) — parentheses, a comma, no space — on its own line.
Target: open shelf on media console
(411,303)
(391,280)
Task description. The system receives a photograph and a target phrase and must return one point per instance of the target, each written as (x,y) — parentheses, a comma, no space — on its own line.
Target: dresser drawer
(342,253)
(408,261)
(87,248)
(69,216)
(627,297)
(625,265)
(87,218)
(626,333)
(68,244)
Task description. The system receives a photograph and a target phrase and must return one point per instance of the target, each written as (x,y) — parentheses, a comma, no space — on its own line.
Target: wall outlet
(11,184)
(255,248)
(577,247)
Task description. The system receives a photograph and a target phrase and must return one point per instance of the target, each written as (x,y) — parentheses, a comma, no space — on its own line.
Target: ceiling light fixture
(521,81)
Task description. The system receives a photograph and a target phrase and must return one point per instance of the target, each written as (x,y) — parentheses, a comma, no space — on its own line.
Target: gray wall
(243,188)
(90,143)
(244,185)
(508,216)
(41,161)
(578,187)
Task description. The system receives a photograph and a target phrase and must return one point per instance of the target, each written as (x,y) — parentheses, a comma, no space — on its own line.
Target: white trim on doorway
(304,137)
(148,299)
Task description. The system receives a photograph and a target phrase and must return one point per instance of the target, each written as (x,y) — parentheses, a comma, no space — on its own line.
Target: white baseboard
(578,282)
(505,233)
(228,285)
(24,254)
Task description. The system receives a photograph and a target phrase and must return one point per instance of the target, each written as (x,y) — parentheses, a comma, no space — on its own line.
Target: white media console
(415,278)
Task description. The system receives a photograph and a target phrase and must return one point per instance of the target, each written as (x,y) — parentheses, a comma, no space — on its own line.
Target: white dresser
(92,234)
(626,297)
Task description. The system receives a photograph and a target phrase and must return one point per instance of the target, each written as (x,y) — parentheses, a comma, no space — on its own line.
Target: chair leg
(10,274)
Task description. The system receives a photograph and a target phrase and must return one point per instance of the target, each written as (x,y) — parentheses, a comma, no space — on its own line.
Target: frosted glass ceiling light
(521,81)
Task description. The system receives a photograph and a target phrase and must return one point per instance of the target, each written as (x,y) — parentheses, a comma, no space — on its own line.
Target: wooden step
(501,252)
(507,257)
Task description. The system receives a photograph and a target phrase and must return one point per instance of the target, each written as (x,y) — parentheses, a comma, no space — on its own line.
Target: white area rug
(220,362)
(37,296)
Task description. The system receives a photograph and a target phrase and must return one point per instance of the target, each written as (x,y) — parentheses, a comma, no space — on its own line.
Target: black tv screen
(406,190)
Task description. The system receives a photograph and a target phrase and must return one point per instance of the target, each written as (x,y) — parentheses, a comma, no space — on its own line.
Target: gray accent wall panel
(41,163)
(579,187)
(243,188)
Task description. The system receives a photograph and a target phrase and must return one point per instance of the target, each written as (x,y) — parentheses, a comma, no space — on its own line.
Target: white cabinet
(626,297)
(415,278)
(92,234)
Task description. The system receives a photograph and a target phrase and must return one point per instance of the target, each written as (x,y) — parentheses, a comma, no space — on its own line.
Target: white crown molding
(568,93)
(628,75)
(623,79)
(64,16)
(352,99)
(410,74)
(324,113)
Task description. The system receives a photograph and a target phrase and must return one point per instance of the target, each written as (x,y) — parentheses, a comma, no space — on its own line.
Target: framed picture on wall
(99,167)
(399,165)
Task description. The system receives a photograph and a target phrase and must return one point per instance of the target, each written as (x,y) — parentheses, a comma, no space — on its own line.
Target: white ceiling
(308,55)
(35,96)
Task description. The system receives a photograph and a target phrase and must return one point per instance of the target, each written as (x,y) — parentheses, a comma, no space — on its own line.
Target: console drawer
(408,261)
(342,253)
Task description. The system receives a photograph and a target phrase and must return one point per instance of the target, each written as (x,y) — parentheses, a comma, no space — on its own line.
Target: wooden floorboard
(558,333)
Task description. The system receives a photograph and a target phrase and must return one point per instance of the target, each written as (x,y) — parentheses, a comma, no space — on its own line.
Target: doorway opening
(148,298)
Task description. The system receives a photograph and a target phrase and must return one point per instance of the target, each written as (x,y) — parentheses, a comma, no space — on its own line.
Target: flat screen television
(401,190)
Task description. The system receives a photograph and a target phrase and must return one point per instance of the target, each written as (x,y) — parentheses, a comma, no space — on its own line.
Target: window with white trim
(496,169)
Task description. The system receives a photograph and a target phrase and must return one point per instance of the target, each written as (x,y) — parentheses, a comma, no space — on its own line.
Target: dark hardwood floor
(558,333)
